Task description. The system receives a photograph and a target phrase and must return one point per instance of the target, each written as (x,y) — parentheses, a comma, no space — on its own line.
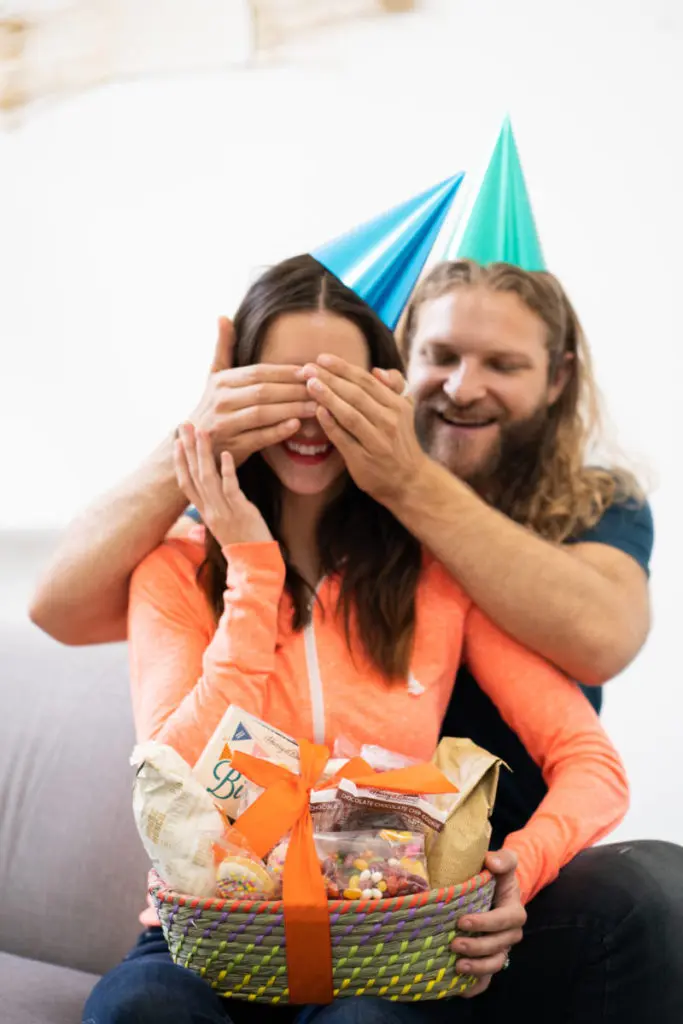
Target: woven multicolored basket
(396,948)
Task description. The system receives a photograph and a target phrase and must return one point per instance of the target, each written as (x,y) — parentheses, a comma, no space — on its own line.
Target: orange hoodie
(185,672)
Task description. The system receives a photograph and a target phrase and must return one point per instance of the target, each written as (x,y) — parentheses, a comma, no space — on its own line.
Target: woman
(313,608)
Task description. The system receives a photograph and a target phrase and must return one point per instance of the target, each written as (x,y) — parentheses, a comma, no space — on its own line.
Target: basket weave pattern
(396,948)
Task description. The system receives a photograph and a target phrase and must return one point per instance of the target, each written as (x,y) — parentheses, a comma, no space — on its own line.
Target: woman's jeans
(603,943)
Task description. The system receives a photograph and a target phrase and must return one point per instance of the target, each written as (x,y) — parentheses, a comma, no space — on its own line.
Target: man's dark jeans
(603,943)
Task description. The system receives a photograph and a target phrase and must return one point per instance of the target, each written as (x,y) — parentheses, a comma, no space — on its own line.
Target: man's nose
(465,384)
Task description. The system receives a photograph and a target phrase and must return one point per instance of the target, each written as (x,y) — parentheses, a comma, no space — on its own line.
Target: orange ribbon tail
(283,808)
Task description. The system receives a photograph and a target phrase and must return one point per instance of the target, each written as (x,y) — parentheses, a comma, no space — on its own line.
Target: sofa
(72,868)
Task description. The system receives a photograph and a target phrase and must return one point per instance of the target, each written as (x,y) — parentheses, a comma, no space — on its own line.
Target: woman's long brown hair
(377,559)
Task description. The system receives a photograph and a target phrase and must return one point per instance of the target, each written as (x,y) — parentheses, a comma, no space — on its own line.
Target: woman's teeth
(307,449)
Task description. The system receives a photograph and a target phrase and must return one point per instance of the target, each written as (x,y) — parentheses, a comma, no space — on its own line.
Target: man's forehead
(478,316)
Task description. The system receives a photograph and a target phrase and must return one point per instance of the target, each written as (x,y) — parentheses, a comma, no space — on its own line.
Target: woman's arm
(183,674)
(587,787)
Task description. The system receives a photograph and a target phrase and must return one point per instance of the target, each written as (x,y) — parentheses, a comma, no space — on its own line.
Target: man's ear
(562,377)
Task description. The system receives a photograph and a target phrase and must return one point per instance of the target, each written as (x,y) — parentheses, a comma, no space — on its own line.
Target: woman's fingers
(186,433)
(182,473)
(246,444)
(477,989)
(482,967)
(487,945)
(229,481)
(209,481)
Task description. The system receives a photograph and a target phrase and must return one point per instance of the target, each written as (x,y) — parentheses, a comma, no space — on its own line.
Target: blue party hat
(382,259)
(501,226)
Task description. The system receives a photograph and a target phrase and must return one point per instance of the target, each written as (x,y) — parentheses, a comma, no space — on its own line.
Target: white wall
(131,217)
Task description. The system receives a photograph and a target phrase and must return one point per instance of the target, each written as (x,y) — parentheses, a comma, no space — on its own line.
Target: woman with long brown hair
(310,606)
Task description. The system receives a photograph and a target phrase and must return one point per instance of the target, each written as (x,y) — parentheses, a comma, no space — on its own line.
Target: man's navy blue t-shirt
(626,527)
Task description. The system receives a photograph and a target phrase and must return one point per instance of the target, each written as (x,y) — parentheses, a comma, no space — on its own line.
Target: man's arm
(585,607)
(82,597)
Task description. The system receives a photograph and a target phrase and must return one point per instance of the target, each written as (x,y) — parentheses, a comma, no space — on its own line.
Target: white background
(131,217)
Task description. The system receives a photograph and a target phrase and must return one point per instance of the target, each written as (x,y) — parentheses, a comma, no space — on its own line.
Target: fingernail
(325,360)
(465,923)
(315,384)
(301,373)
(464,965)
(460,947)
(310,408)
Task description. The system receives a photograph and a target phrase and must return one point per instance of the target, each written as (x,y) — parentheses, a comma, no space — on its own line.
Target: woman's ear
(562,377)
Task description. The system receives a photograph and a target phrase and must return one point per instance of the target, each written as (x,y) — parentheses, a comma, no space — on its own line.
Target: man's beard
(512,466)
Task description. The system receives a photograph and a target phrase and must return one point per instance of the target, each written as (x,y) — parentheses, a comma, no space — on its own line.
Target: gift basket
(322,887)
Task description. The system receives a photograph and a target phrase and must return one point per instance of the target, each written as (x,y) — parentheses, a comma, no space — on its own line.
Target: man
(556,553)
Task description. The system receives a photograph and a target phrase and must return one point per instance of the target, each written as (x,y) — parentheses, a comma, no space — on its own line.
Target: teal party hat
(500,227)
(382,259)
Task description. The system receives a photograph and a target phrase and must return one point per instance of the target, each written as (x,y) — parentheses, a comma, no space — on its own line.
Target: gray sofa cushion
(38,993)
(72,868)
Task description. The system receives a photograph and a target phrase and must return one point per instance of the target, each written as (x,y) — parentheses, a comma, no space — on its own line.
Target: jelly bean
(366,875)
(352,894)
(382,886)
(367,894)
(360,864)
(377,876)
(354,882)
(393,863)
(376,894)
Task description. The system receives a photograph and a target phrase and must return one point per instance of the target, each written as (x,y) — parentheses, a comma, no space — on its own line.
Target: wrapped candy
(240,874)
(353,808)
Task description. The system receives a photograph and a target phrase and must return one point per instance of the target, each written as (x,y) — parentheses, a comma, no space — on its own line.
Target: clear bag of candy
(366,865)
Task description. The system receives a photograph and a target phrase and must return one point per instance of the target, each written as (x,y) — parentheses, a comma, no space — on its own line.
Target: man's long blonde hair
(563,496)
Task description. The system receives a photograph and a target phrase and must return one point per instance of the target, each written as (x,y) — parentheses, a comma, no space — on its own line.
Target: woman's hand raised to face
(247,408)
(218,498)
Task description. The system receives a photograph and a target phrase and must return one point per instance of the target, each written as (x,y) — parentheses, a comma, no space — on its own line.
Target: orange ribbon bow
(284,807)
